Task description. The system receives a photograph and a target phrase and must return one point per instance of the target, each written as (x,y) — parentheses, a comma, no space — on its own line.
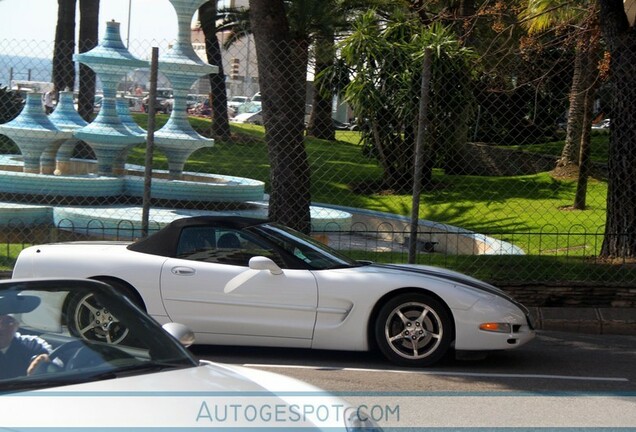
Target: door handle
(183,271)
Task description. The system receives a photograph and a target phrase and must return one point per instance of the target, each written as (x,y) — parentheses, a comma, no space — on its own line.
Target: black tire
(414,329)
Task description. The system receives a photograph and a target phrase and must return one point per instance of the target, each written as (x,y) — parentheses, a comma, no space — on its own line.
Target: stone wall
(573,295)
(489,160)
(501,161)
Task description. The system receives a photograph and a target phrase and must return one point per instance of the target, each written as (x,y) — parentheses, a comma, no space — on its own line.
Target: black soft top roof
(164,242)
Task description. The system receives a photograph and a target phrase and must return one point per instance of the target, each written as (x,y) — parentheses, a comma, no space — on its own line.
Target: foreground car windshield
(314,253)
(58,332)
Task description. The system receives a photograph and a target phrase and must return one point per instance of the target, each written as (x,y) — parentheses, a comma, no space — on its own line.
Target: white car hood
(210,395)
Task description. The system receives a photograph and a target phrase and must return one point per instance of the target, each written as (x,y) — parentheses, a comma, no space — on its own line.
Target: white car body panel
(234,300)
(177,399)
(234,305)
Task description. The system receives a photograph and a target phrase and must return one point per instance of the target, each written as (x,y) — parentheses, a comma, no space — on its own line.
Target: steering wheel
(63,352)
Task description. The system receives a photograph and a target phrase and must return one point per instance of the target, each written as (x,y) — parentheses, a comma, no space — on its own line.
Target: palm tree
(314,24)
(549,14)
(579,15)
(384,62)
(282,68)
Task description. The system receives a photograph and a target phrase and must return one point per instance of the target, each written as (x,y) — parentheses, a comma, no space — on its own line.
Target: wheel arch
(122,285)
(392,294)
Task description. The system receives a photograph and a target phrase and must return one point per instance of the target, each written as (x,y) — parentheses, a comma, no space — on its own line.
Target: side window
(194,241)
(236,248)
(222,246)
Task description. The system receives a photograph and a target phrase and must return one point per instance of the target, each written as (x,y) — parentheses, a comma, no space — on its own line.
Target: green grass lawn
(531,211)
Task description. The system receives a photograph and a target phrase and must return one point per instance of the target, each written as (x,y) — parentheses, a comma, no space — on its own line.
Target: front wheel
(414,330)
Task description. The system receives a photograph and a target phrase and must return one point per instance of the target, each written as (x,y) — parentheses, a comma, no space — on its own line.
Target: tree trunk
(620,228)
(282,64)
(220,120)
(88,39)
(591,84)
(63,73)
(321,123)
(584,157)
(576,109)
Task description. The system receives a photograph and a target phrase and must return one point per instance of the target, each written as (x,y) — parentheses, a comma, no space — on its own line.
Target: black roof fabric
(164,242)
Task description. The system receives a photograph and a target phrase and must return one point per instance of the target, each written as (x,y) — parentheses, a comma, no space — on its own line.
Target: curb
(602,320)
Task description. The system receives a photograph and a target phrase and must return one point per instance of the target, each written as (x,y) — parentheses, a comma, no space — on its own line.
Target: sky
(35,20)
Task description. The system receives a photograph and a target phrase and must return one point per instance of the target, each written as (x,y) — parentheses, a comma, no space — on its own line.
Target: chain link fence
(493,203)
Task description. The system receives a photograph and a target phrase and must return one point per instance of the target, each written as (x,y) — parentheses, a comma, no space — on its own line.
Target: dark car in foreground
(76,355)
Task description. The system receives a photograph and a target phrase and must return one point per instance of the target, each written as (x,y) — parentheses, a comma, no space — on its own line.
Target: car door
(210,288)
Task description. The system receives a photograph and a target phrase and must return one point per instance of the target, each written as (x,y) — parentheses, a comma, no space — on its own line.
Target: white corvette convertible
(242,281)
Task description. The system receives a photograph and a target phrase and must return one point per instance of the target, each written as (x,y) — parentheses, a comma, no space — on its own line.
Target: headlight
(359,421)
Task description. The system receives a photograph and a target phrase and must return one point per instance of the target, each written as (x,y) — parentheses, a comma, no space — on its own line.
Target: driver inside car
(19,354)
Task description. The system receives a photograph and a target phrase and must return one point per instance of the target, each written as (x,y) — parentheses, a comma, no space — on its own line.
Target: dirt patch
(567,172)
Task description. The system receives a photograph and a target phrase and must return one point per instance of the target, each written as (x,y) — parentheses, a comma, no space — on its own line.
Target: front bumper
(469,336)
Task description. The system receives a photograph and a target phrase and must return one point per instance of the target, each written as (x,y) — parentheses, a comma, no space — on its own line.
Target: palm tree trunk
(88,39)
(591,84)
(220,120)
(320,123)
(282,64)
(584,157)
(63,73)
(576,111)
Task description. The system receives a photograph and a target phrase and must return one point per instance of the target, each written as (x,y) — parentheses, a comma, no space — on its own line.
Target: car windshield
(87,330)
(314,253)
(164,93)
(249,107)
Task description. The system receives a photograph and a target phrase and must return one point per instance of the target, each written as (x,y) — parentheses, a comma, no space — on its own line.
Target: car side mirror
(263,263)
(180,332)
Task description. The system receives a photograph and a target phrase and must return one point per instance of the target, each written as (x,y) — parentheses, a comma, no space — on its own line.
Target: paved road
(558,380)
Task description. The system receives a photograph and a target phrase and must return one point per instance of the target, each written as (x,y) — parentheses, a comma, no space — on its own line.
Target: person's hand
(36,361)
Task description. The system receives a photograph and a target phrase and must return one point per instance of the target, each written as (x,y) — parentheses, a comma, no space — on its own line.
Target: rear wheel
(88,319)
(414,330)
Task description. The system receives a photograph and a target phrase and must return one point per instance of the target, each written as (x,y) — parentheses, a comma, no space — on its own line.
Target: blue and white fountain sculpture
(109,138)
(57,159)
(34,133)
(182,67)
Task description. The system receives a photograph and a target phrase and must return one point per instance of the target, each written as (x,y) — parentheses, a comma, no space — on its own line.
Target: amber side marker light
(496,327)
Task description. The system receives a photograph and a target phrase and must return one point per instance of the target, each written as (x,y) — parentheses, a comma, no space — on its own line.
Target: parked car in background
(94,348)
(195,99)
(603,124)
(235,101)
(338,125)
(256,97)
(164,101)
(249,112)
(244,281)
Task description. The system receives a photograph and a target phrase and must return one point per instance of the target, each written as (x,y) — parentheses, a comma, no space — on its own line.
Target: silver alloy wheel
(413,330)
(94,322)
